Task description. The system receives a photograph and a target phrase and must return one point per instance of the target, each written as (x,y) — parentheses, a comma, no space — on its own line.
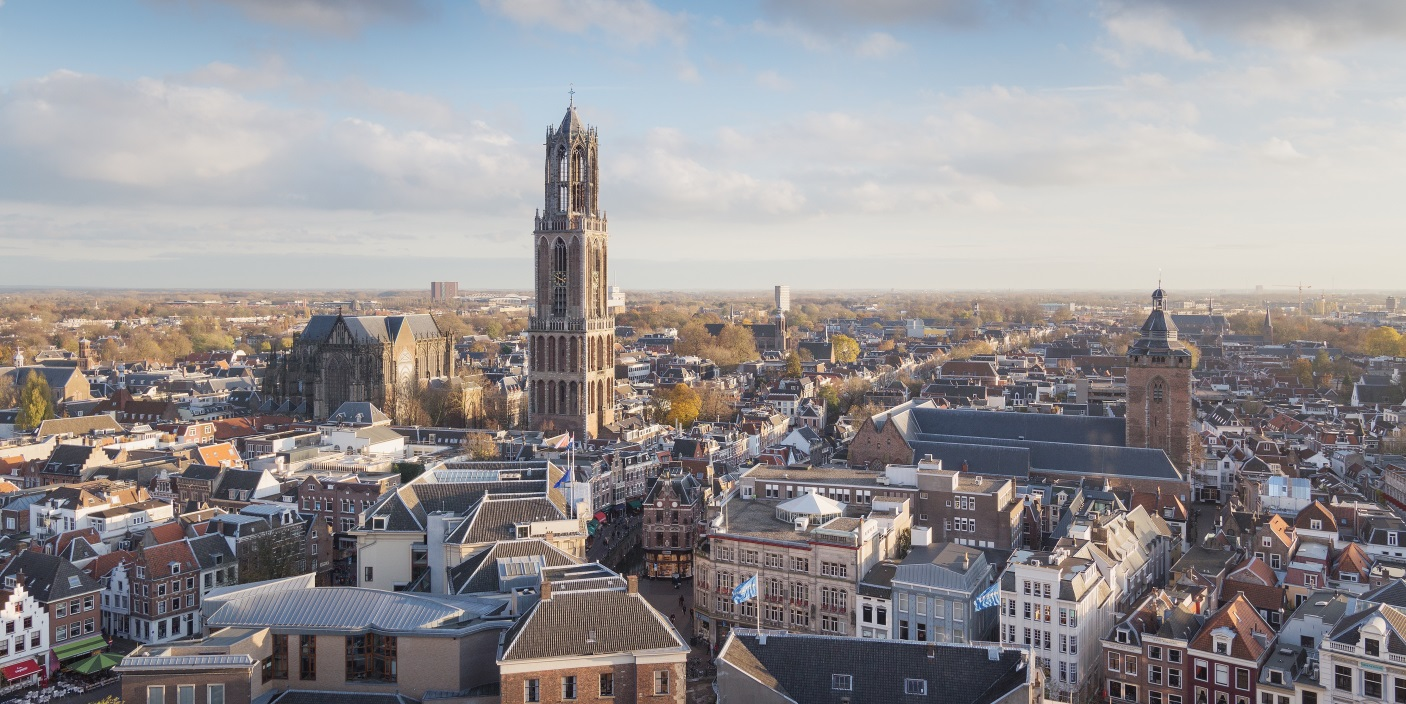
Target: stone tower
(572,333)
(1159,388)
(1268,326)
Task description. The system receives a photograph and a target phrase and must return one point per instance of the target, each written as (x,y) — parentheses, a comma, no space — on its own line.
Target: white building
(1059,606)
(24,640)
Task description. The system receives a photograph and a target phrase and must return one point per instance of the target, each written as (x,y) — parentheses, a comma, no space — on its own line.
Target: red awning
(600,516)
(21,669)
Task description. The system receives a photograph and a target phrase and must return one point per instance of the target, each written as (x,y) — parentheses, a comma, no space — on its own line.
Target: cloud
(879,45)
(846,14)
(1278,149)
(336,17)
(688,73)
(664,175)
(772,80)
(631,22)
(1149,29)
(71,137)
(1293,24)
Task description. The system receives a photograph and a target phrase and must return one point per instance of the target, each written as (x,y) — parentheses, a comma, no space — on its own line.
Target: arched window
(559,279)
(1159,390)
(563,176)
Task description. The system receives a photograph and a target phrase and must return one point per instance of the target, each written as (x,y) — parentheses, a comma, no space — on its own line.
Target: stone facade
(370,358)
(572,331)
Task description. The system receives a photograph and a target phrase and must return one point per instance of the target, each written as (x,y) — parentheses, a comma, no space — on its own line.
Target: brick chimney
(546,590)
(632,584)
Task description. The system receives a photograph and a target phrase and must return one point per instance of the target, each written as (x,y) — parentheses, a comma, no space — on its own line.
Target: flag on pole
(565,477)
(989,598)
(745,591)
(560,442)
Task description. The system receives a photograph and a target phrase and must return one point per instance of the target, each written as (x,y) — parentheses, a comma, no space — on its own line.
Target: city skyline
(1007,146)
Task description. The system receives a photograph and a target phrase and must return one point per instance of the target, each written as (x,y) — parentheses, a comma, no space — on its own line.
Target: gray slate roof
(49,577)
(563,626)
(800,666)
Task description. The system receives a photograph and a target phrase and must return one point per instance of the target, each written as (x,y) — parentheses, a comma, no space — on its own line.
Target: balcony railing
(540,324)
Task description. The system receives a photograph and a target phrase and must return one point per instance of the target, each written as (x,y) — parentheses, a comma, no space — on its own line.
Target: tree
(1303,370)
(845,347)
(1383,342)
(1195,353)
(481,446)
(684,405)
(9,395)
(36,402)
(714,404)
(831,397)
(793,366)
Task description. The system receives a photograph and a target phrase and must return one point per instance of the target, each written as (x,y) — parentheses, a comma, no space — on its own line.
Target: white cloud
(1279,150)
(1149,29)
(663,176)
(74,137)
(772,80)
(631,22)
(688,73)
(337,17)
(1293,24)
(879,45)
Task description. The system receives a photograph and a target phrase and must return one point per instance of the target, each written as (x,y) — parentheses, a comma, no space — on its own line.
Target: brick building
(1159,389)
(672,509)
(592,647)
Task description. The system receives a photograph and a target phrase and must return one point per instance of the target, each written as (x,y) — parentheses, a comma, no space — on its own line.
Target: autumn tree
(684,405)
(1384,342)
(845,347)
(9,395)
(714,404)
(1303,370)
(481,446)
(36,402)
(793,366)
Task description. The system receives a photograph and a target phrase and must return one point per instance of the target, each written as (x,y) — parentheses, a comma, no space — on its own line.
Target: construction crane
(1300,286)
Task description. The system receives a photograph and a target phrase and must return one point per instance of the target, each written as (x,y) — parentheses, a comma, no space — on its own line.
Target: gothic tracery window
(559,279)
(1158,390)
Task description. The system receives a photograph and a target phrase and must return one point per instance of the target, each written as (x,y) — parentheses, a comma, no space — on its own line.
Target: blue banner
(989,598)
(745,591)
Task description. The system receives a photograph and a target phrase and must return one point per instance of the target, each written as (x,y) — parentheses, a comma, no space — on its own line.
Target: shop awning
(600,516)
(21,670)
(635,504)
(79,647)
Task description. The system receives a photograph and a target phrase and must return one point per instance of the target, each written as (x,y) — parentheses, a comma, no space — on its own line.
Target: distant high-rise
(1391,304)
(444,290)
(783,298)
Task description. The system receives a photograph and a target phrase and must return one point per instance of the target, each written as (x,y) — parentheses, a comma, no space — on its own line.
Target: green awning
(80,647)
(635,504)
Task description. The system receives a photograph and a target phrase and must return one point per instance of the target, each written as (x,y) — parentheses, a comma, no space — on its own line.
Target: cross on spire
(571,93)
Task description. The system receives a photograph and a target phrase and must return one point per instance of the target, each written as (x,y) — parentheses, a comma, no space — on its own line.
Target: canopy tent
(95,663)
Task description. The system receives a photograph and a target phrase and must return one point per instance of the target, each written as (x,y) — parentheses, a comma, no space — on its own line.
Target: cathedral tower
(1159,388)
(572,332)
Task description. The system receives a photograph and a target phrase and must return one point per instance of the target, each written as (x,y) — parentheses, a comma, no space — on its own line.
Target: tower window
(1158,390)
(559,279)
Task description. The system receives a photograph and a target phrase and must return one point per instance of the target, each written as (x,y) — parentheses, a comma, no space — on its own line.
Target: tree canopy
(845,347)
(684,405)
(36,402)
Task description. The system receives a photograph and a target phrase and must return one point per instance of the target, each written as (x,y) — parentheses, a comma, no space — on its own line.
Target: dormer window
(10,582)
(1222,646)
(1372,647)
(1391,538)
(175,568)
(1315,524)
(378,523)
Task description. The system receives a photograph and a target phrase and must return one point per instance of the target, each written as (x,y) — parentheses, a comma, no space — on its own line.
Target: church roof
(571,122)
(371,328)
(1159,333)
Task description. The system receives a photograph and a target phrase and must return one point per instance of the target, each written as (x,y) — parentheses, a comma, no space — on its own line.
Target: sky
(932,144)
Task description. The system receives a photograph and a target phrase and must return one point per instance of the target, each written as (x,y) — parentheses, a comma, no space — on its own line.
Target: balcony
(540,324)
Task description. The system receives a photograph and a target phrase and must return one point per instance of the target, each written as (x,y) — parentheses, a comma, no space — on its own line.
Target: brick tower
(1159,388)
(572,332)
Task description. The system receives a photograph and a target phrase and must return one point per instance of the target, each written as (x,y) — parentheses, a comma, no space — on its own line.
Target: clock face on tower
(561,278)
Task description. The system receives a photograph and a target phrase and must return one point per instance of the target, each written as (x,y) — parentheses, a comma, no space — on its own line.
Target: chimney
(546,590)
(632,585)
